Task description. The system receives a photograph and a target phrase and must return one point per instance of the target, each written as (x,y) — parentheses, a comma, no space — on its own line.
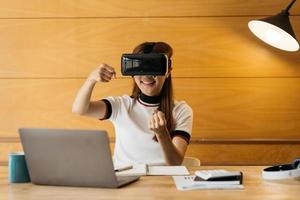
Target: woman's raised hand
(104,73)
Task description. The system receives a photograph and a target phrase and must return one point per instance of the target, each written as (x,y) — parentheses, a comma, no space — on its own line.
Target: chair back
(191,162)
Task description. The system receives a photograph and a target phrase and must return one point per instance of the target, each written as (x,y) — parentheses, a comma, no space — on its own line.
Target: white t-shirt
(134,140)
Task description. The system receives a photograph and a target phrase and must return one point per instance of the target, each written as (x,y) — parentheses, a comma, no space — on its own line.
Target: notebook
(146,170)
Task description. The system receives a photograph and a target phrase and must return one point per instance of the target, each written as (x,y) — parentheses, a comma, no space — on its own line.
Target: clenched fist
(158,123)
(104,73)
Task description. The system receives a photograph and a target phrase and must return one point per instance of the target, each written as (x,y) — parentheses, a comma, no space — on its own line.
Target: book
(219,181)
(189,183)
(146,170)
(218,177)
(219,174)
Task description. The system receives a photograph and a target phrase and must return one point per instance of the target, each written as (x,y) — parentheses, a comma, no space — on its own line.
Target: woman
(151,127)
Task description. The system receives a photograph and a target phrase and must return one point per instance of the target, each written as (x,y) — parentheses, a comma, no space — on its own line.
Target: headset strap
(149,47)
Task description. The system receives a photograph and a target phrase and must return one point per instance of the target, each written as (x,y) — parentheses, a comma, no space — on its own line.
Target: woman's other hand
(158,123)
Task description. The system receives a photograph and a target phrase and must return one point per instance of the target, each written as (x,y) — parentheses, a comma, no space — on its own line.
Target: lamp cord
(289,6)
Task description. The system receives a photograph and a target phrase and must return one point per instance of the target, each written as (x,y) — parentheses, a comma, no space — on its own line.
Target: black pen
(123,168)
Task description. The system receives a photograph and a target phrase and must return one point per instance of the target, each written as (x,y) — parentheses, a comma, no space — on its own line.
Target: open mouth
(148,83)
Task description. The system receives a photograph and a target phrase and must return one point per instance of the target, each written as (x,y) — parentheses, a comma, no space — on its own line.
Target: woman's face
(150,85)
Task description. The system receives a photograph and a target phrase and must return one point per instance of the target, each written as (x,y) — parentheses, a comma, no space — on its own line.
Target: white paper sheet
(167,170)
(143,170)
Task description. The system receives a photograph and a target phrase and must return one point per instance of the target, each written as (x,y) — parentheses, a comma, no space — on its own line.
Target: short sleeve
(108,109)
(114,105)
(183,121)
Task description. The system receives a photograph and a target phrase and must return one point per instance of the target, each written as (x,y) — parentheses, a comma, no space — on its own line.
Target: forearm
(83,97)
(172,155)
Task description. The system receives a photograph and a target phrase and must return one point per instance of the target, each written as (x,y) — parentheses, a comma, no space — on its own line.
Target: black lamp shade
(276,31)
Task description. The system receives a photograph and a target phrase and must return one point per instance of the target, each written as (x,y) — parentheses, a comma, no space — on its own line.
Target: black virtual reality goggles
(154,64)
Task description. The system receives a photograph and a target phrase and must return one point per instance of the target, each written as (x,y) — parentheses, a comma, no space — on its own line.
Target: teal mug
(18,171)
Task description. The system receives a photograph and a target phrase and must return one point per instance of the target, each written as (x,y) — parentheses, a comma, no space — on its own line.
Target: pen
(123,168)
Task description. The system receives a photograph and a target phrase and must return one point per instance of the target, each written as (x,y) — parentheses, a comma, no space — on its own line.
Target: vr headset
(144,64)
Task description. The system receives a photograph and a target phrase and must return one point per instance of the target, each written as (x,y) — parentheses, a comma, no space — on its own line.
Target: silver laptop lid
(68,157)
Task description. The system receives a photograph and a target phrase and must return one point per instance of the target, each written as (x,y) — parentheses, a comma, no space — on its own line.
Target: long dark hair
(166,101)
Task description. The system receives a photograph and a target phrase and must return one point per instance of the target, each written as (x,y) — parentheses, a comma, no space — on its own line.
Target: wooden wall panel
(242,107)
(223,108)
(244,93)
(244,154)
(6,148)
(139,8)
(212,154)
(204,47)
(47,103)
(15,146)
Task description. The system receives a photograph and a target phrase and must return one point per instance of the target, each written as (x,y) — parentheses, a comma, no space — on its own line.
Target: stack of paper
(188,183)
(218,180)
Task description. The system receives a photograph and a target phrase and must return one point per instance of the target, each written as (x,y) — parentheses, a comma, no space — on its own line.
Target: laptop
(66,157)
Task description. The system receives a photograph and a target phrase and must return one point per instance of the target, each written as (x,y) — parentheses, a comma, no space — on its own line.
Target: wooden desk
(156,187)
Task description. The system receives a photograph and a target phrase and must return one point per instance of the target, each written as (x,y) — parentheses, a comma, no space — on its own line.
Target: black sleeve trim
(108,109)
(184,135)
